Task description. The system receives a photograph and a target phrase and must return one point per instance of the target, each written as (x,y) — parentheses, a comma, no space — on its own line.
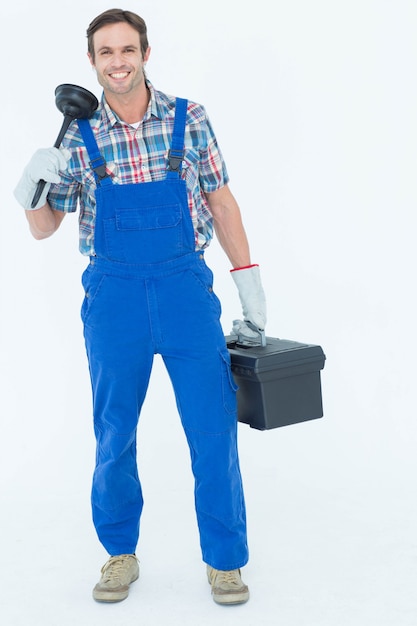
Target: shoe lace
(230,577)
(114,568)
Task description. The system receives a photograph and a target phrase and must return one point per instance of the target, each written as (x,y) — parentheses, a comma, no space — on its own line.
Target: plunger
(75,103)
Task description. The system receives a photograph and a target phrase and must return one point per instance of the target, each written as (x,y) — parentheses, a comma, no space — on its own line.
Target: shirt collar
(156,108)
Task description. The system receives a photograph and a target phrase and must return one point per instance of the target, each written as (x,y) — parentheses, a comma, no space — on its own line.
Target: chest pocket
(143,223)
(148,218)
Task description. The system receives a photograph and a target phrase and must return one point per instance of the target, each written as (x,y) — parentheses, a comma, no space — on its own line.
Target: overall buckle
(100,167)
(175,158)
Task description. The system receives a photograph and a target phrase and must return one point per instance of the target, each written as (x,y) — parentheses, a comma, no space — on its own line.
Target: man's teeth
(119,75)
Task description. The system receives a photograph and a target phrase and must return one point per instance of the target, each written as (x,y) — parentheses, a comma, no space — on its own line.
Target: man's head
(113,16)
(118,50)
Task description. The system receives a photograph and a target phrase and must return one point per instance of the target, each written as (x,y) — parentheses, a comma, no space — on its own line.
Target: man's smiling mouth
(119,75)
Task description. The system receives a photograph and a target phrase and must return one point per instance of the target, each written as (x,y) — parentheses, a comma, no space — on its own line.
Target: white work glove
(44,165)
(252,298)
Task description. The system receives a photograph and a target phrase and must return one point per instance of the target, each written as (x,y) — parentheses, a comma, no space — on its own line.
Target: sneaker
(227,586)
(116,576)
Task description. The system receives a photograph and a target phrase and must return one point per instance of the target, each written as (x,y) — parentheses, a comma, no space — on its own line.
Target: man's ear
(147,55)
(90,58)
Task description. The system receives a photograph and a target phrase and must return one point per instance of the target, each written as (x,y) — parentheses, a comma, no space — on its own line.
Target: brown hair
(113,16)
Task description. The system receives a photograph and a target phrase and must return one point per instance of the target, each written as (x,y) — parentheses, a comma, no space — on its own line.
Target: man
(151,184)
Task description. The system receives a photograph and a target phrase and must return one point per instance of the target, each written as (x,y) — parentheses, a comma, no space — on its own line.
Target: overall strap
(176,152)
(97,162)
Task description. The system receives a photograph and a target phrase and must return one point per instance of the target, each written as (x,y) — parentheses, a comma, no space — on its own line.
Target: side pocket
(204,278)
(91,282)
(229,386)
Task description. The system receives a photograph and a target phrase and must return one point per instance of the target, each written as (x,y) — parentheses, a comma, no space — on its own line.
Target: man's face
(118,58)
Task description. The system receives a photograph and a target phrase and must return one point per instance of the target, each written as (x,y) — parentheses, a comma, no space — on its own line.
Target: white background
(314,105)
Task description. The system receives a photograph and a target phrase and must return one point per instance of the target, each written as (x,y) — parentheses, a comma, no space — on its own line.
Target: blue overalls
(147,291)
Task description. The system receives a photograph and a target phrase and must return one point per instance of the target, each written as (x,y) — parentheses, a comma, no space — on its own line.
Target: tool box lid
(278,353)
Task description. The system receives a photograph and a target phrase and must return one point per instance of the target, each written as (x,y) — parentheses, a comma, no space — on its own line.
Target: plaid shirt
(139,156)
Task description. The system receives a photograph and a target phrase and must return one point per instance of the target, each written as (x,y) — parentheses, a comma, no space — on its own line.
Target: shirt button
(201,257)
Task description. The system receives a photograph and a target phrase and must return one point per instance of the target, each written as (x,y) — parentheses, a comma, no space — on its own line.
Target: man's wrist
(244,267)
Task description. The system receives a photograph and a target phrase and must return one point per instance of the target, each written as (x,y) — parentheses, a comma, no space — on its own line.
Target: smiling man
(151,186)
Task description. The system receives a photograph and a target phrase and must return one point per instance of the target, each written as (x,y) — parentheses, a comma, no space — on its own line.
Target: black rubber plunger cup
(75,103)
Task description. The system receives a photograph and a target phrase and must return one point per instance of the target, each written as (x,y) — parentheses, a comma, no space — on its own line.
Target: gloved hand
(44,165)
(245,333)
(251,294)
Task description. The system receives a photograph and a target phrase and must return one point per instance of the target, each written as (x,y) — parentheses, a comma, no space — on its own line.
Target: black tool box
(279,383)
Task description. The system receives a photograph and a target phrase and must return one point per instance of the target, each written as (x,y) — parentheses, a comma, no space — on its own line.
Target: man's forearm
(233,240)
(228,226)
(44,222)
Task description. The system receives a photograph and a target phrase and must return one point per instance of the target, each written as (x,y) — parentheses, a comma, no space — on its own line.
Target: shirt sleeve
(63,196)
(212,168)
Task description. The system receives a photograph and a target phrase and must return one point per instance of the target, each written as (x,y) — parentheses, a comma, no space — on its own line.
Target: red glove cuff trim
(246,267)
